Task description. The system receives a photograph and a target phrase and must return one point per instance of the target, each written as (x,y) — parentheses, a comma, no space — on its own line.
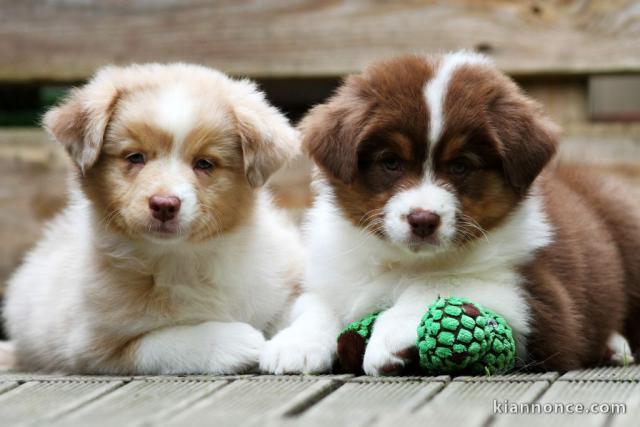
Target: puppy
(170,257)
(432,180)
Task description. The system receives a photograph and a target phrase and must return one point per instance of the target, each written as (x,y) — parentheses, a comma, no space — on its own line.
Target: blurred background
(580,58)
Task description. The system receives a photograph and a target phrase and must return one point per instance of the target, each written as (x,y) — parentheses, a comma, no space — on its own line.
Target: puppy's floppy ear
(79,123)
(527,139)
(268,139)
(331,132)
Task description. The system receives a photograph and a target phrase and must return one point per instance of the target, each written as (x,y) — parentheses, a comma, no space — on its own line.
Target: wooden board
(361,403)
(312,400)
(468,403)
(144,401)
(558,405)
(253,401)
(69,39)
(45,401)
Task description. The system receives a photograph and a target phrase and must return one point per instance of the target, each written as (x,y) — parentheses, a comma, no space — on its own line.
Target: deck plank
(254,401)
(7,385)
(546,376)
(142,402)
(610,373)
(42,401)
(361,402)
(631,417)
(566,392)
(468,403)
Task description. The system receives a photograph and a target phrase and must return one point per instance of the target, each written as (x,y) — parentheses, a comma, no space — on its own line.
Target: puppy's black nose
(423,223)
(164,208)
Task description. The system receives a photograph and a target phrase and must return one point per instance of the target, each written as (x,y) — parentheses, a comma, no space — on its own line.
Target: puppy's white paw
(294,351)
(621,354)
(237,350)
(392,347)
(7,356)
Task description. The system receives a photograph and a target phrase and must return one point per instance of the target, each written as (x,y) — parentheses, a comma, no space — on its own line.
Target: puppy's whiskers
(467,222)
(108,219)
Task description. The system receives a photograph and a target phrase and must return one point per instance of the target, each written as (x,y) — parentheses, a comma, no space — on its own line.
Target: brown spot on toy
(471,310)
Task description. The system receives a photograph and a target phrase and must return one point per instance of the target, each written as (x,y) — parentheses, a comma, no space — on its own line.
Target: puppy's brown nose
(423,223)
(164,208)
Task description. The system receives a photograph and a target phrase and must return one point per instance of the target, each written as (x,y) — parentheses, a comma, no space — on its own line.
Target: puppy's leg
(308,345)
(211,347)
(393,342)
(7,356)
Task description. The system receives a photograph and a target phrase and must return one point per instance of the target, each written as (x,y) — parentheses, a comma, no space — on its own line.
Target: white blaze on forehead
(435,90)
(175,111)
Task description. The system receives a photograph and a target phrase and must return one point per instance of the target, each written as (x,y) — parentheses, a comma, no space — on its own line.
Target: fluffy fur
(120,285)
(434,179)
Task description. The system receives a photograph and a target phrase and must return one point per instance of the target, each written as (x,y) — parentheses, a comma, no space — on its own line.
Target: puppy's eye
(136,158)
(392,162)
(203,164)
(459,168)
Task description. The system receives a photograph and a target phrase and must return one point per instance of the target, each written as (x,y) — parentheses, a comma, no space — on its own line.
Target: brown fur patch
(210,142)
(379,103)
(452,149)
(81,131)
(371,116)
(147,138)
(585,284)
(490,109)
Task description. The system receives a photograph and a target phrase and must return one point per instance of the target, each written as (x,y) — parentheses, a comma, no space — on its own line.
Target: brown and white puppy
(432,180)
(170,257)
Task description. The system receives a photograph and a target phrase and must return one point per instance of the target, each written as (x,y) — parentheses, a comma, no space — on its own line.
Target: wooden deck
(328,401)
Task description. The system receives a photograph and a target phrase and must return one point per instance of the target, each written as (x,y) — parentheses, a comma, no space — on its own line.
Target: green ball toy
(454,337)
(457,336)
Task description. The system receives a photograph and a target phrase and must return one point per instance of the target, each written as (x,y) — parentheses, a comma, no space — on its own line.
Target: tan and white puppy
(432,181)
(170,257)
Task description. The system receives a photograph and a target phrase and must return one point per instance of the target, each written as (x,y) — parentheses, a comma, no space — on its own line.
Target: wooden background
(298,50)
(69,39)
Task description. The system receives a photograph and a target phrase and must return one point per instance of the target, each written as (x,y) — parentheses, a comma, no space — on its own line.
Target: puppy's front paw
(619,351)
(7,356)
(293,351)
(392,348)
(238,350)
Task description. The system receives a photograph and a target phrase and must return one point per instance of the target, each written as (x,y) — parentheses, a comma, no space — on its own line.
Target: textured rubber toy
(352,343)
(456,336)
(364,326)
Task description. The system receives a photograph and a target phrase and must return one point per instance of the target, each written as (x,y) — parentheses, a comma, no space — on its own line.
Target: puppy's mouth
(164,230)
(426,244)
